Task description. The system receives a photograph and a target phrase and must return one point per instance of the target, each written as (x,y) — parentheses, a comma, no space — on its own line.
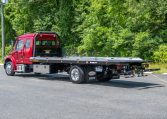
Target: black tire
(9,68)
(77,74)
(102,78)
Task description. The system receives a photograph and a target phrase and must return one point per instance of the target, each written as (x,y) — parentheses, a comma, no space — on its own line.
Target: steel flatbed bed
(88,60)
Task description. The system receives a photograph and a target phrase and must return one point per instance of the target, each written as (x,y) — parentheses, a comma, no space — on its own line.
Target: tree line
(111,28)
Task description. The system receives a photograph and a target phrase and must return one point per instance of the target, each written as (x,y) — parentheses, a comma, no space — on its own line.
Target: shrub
(160,55)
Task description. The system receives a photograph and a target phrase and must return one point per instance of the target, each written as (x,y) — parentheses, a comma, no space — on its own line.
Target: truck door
(19,51)
(27,51)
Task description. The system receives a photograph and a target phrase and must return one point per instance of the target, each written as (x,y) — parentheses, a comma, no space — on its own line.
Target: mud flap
(90,75)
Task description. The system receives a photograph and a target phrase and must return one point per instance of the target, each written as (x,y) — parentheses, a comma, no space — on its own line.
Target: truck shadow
(128,84)
(54,77)
(113,83)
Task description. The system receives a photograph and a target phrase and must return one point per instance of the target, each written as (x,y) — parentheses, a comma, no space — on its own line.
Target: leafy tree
(121,28)
(100,27)
(160,55)
(94,27)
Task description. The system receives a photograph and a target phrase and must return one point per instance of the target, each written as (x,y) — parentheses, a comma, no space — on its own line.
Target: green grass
(162,66)
(1,62)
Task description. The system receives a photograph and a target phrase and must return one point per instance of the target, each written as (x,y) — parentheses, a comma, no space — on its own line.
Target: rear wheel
(77,74)
(9,69)
(102,78)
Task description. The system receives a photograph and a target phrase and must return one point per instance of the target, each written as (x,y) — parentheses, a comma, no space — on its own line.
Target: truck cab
(41,44)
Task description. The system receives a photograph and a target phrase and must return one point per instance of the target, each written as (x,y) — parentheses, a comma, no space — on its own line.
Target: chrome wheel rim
(75,74)
(8,68)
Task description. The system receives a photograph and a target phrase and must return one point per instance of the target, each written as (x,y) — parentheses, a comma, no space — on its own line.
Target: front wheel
(9,69)
(77,74)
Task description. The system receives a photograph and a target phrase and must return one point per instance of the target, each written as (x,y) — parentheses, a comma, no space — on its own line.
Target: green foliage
(42,15)
(100,28)
(7,50)
(160,55)
(94,27)
(117,28)
(162,66)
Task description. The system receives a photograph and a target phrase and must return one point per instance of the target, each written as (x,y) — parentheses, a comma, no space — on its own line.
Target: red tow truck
(41,53)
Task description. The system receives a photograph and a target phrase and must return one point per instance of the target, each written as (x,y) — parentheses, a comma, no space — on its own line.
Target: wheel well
(7,60)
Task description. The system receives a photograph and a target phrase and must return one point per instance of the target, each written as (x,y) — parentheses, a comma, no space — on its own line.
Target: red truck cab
(29,45)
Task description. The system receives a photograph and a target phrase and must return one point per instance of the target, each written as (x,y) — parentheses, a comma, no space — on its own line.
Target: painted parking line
(158,78)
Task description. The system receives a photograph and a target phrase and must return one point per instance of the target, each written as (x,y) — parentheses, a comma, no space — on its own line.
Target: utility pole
(2,27)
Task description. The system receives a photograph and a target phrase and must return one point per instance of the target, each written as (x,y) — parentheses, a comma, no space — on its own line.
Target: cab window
(48,42)
(19,45)
(38,42)
(27,43)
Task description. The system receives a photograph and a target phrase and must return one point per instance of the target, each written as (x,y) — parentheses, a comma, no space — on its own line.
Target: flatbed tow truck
(41,53)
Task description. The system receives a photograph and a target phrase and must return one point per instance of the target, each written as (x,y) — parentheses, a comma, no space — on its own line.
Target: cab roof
(38,33)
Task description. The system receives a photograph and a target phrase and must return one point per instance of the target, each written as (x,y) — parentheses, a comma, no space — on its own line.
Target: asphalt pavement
(29,96)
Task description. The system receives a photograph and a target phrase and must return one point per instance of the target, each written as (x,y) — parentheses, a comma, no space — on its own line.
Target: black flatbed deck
(87,60)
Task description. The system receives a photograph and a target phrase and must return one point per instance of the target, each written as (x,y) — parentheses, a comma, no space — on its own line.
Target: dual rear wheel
(77,74)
